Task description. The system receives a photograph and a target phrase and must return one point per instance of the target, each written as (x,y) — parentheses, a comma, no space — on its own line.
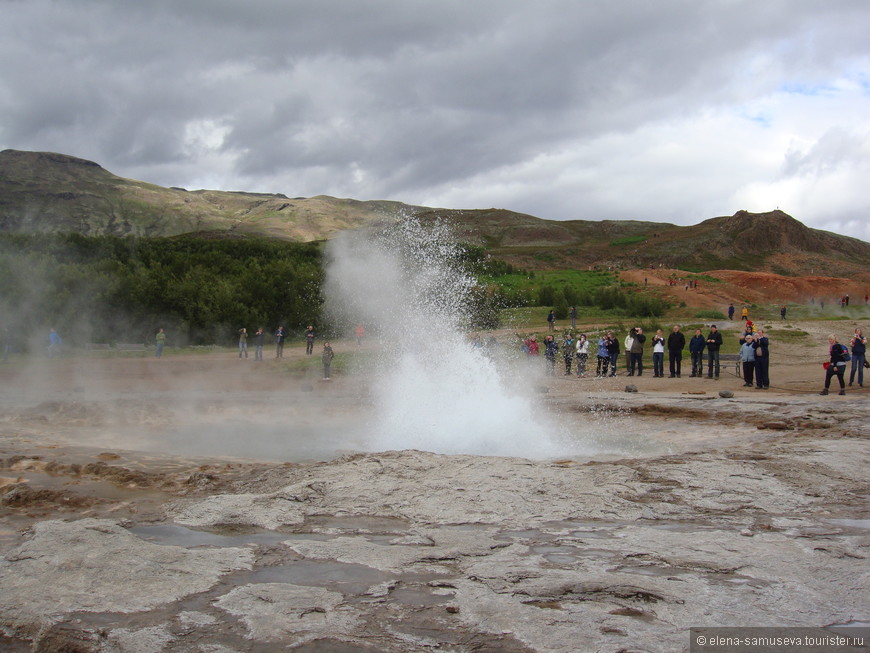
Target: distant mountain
(47,192)
(43,191)
(771,242)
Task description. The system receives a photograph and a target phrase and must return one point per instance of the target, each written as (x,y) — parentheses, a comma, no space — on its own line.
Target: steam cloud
(433,390)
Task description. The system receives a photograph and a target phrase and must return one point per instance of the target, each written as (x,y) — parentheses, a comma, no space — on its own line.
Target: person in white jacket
(582,355)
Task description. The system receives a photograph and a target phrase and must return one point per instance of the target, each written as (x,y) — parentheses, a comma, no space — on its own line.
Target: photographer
(658,354)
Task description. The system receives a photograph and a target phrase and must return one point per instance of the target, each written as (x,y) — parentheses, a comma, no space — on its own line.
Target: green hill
(47,192)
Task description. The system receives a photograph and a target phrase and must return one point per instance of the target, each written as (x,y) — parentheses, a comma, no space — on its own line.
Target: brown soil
(748,288)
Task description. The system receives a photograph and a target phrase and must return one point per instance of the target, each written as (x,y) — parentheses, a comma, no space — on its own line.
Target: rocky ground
(748,510)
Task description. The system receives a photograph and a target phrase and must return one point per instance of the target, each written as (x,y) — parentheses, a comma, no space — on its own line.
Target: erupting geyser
(433,390)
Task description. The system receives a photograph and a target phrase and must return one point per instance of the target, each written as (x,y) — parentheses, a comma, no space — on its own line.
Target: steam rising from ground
(433,389)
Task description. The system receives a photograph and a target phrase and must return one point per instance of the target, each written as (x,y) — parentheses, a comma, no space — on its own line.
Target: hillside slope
(42,191)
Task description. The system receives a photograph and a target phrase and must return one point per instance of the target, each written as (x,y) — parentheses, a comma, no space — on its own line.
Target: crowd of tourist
(753,354)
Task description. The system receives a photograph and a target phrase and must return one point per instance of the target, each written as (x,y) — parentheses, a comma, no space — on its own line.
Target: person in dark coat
(279,342)
(551,350)
(676,345)
(714,342)
(837,365)
(762,361)
(696,351)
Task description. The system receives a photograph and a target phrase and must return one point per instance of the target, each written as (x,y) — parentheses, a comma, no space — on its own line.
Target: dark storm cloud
(560,109)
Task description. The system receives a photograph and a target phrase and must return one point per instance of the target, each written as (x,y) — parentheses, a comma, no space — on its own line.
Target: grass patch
(710,315)
(581,280)
(627,240)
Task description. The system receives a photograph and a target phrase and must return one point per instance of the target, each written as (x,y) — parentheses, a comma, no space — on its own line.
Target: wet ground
(194,505)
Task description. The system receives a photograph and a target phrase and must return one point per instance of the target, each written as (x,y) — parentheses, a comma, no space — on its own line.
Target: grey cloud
(402,99)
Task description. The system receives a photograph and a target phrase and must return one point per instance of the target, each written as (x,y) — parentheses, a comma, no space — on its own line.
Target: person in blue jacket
(551,350)
(603,355)
(696,351)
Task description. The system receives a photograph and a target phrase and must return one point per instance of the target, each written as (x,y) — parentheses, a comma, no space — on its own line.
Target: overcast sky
(673,111)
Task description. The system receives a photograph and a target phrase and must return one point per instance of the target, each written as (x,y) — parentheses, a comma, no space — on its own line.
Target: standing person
(360,330)
(327,357)
(54,343)
(524,344)
(714,343)
(696,351)
(573,317)
(551,350)
(603,356)
(310,336)
(613,350)
(160,342)
(658,354)
(551,319)
(243,342)
(731,311)
(747,358)
(782,311)
(744,314)
(582,354)
(628,342)
(635,359)
(280,335)
(859,355)
(259,337)
(7,344)
(676,344)
(569,347)
(837,365)
(534,350)
(762,360)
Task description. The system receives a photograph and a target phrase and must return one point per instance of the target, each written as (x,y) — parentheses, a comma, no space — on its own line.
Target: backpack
(844,354)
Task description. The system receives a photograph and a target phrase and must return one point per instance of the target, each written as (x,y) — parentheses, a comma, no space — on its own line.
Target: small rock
(726,394)
(775,426)
(631,388)
(452,609)
(746,533)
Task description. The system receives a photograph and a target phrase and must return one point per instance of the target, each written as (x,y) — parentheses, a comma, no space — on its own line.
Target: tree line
(112,289)
(122,289)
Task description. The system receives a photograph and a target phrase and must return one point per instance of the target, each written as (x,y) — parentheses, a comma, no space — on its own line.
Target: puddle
(175,535)
(522,535)
(332,646)
(863,524)
(649,570)
(420,597)
(347,578)
(558,555)
(356,524)
(82,485)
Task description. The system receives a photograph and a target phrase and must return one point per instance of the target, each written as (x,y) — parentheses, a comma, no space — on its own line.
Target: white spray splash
(434,391)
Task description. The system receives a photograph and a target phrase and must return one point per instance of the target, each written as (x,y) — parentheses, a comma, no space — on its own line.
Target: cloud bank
(671,111)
